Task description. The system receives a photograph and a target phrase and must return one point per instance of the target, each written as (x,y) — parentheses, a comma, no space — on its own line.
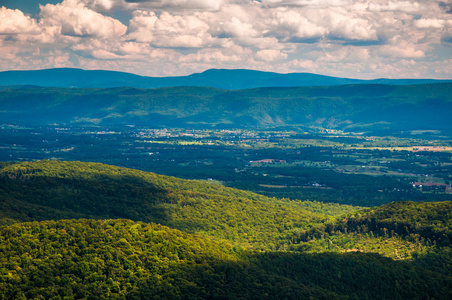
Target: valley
(334,167)
(337,190)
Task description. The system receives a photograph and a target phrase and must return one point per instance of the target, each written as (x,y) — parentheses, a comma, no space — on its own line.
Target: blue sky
(26,6)
(345,38)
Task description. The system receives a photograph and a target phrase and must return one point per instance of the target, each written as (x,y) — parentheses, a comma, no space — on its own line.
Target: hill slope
(399,230)
(356,107)
(64,190)
(55,190)
(216,78)
(123,259)
(120,259)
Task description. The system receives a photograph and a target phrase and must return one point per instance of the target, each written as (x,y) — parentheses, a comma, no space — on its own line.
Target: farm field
(299,164)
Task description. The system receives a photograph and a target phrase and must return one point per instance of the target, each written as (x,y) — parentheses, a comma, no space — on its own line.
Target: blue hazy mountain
(348,107)
(216,78)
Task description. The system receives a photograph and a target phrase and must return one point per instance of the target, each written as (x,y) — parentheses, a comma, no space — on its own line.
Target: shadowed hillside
(64,190)
(121,259)
(324,257)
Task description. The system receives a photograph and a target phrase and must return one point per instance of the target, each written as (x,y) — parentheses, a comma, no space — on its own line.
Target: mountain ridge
(347,107)
(232,79)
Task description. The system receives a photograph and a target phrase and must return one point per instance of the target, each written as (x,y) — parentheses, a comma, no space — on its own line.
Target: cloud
(107,5)
(302,64)
(168,30)
(430,23)
(75,19)
(270,55)
(307,3)
(404,6)
(308,25)
(350,26)
(141,26)
(345,54)
(102,5)
(292,26)
(215,56)
(236,28)
(172,37)
(15,22)
(401,50)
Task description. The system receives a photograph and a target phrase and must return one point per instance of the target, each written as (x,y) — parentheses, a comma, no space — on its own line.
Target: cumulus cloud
(193,4)
(171,37)
(430,23)
(350,26)
(270,55)
(168,30)
(404,6)
(308,3)
(15,22)
(102,5)
(401,50)
(335,23)
(236,28)
(108,5)
(345,54)
(75,19)
(291,25)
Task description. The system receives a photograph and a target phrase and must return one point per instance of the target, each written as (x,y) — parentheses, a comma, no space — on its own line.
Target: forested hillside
(353,107)
(225,248)
(63,190)
(121,259)
(50,190)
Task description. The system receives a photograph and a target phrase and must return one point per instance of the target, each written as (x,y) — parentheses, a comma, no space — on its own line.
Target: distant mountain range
(361,108)
(216,78)
(224,99)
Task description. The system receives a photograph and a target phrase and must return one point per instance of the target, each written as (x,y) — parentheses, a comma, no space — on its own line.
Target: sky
(345,38)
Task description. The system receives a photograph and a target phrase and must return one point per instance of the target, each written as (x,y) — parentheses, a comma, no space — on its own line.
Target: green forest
(122,259)
(78,230)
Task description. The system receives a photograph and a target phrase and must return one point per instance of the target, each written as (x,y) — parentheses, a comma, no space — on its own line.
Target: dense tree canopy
(112,248)
(121,259)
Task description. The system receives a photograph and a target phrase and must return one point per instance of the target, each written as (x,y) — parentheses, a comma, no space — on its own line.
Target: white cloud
(214,56)
(401,50)
(302,64)
(15,22)
(236,28)
(168,30)
(104,54)
(290,25)
(404,6)
(131,48)
(308,3)
(270,55)
(430,23)
(180,4)
(349,26)
(345,54)
(142,25)
(106,5)
(307,24)
(102,5)
(171,37)
(74,19)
